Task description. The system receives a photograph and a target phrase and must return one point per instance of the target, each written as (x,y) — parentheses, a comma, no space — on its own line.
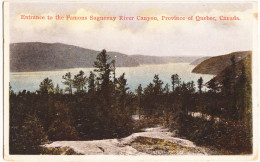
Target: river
(135,75)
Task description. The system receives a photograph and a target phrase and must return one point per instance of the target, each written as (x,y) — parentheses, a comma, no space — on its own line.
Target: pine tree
(226,83)
(121,90)
(11,91)
(68,82)
(113,63)
(57,89)
(157,85)
(139,93)
(32,135)
(191,87)
(149,90)
(91,83)
(80,81)
(200,84)
(60,126)
(213,85)
(139,90)
(103,67)
(46,86)
(166,89)
(175,81)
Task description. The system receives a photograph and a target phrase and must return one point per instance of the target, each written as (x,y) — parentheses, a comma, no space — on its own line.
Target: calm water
(135,75)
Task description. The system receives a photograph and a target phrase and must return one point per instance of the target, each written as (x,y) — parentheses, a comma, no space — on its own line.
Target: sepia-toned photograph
(136,79)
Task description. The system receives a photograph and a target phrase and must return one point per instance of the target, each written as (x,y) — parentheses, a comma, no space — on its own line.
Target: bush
(28,139)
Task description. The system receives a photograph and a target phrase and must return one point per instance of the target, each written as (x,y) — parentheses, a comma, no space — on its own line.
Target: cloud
(141,37)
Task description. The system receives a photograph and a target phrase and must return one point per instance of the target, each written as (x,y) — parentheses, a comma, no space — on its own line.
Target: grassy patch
(156,146)
(59,151)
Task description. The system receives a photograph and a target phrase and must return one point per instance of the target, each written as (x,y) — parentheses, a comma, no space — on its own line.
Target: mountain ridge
(215,65)
(199,60)
(38,56)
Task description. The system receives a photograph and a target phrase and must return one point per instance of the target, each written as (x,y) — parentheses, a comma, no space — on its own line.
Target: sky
(157,38)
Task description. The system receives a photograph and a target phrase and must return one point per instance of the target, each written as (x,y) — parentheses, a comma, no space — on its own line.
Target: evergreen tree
(213,85)
(166,89)
(57,89)
(149,90)
(148,102)
(200,84)
(229,77)
(80,81)
(191,87)
(60,126)
(121,90)
(91,83)
(11,91)
(139,93)
(109,118)
(46,86)
(175,81)
(32,135)
(184,88)
(158,90)
(103,67)
(68,82)
(113,63)
(226,83)
(139,90)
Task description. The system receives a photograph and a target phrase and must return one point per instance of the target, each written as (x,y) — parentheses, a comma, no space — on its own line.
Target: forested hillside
(100,106)
(36,56)
(238,66)
(215,65)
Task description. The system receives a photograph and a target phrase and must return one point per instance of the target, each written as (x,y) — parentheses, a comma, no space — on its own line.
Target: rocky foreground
(153,141)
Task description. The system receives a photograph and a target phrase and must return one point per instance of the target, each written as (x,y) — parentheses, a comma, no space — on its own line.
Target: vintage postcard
(130,81)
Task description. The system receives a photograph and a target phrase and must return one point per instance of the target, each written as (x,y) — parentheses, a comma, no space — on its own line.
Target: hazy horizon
(135,54)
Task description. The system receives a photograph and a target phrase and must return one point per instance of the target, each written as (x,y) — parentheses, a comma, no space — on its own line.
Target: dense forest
(100,106)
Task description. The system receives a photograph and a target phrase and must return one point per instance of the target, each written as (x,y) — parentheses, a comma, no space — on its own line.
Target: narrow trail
(154,141)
